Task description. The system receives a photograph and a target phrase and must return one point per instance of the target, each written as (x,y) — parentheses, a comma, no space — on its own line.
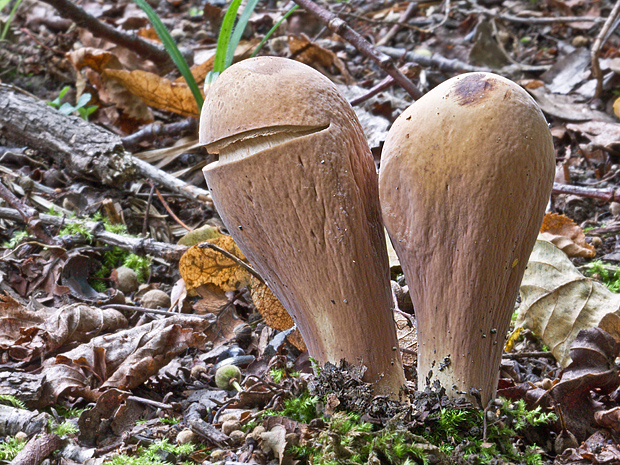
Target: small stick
(338,26)
(598,45)
(70,10)
(610,194)
(385,84)
(153,130)
(169,210)
(145,225)
(226,253)
(29,215)
(411,8)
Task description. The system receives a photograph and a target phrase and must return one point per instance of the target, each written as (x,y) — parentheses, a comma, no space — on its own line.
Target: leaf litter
(62,345)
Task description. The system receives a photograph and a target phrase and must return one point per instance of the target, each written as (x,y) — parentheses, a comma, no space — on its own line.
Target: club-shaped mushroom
(466,173)
(296,186)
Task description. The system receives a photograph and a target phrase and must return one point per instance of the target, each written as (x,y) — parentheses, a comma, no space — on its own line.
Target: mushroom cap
(466,173)
(283,94)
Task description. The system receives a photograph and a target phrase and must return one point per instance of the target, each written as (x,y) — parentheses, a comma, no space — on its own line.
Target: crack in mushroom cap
(286,100)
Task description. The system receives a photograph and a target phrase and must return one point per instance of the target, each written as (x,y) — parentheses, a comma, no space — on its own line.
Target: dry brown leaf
(566,235)
(313,54)
(14,317)
(71,323)
(124,359)
(602,134)
(557,301)
(274,313)
(110,90)
(156,91)
(206,266)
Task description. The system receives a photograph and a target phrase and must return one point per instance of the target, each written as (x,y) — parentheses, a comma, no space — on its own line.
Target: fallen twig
(601,38)
(139,246)
(68,9)
(609,195)
(338,26)
(404,17)
(435,61)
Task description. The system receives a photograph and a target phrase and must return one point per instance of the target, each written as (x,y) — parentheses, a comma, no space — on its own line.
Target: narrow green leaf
(5,30)
(273,29)
(172,49)
(238,32)
(223,40)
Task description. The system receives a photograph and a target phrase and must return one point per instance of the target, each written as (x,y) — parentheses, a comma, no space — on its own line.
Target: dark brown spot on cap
(472,88)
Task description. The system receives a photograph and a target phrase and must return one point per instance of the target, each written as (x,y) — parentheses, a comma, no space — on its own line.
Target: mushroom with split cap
(466,173)
(296,186)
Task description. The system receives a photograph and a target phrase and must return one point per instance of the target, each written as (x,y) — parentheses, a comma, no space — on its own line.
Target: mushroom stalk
(466,173)
(296,186)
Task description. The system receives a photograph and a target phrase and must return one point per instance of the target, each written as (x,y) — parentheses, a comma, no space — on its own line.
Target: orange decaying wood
(296,186)
(466,174)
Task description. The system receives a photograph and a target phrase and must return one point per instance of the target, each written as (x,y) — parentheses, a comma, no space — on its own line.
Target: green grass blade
(5,30)
(273,29)
(172,49)
(238,32)
(224,38)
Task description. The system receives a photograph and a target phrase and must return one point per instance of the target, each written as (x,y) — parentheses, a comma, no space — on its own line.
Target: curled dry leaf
(608,418)
(72,323)
(273,312)
(207,266)
(566,235)
(156,91)
(124,359)
(593,367)
(110,90)
(558,301)
(14,317)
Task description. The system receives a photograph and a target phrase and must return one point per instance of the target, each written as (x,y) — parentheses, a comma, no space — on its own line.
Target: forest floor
(114,320)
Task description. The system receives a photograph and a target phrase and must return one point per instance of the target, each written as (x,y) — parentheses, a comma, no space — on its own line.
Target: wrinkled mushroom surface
(466,173)
(296,186)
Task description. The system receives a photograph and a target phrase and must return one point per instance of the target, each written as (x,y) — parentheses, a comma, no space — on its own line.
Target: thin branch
(411,8)
(609,195)
(598,45)
(338,26)
(169,210)
(226,253)
(139,246)
(68,9)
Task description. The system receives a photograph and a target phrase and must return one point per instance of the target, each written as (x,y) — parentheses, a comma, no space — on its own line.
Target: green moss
(12,401)
(302,408)
(16,239)
(10,447)
(149,456)
(452,432)
(611,280)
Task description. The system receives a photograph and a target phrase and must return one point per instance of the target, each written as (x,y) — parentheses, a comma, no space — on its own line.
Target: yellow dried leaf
(273,312)
(565,234)
(156,91)
(110,90)
(200,266)
(617,107)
